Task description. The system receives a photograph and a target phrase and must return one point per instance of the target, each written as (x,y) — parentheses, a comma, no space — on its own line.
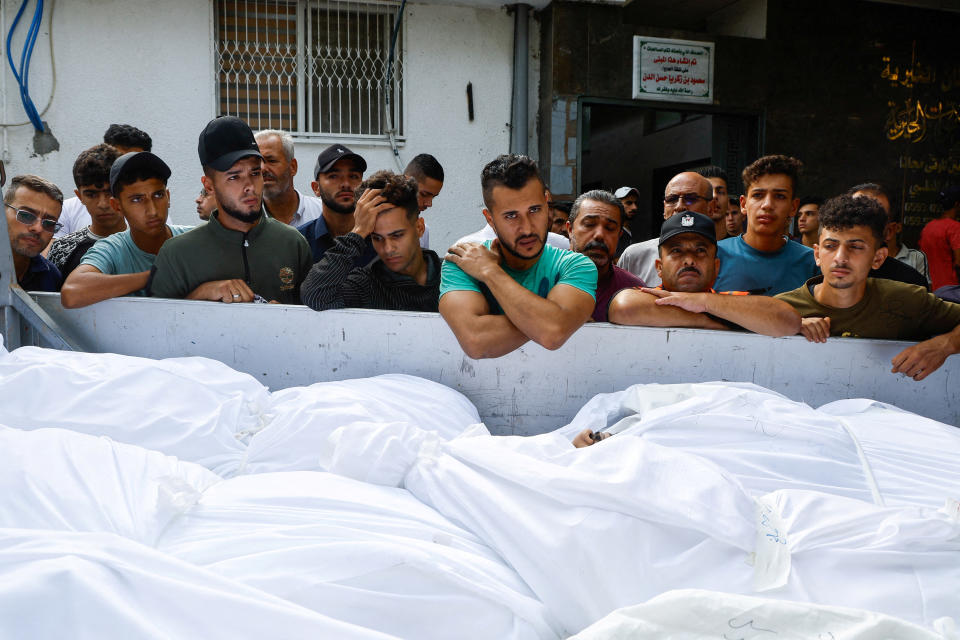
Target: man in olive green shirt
(240,255)
(845,302)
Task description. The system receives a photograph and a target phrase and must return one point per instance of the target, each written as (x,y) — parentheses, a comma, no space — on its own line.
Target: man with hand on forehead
(845,301)
(240,254)
(406,278)
(688,266)
(499,294)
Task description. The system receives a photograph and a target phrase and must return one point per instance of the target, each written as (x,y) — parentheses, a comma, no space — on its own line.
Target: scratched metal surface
(529,391)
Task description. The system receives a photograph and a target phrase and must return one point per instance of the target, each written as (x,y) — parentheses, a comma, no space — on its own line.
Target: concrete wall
(151,64)
(528,391)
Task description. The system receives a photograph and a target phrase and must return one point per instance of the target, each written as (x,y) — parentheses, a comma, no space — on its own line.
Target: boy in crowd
(91,174)
(406,278)
(499,294)
(844,301)
(808,220)
(120,264)
(125,139)
(763,260)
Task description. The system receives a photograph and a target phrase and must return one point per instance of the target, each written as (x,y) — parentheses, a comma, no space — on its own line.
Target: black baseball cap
(224,141)
(137,162)
(688,222)
(332,154)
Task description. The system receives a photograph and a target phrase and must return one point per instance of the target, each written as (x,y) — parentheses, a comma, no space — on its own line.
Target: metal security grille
(310,67)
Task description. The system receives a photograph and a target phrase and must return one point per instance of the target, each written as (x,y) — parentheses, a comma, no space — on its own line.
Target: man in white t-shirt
(687,191)
(281,200)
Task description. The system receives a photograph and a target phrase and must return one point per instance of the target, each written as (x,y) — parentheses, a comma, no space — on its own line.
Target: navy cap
(688,222)
(142,162)
(333,154)
(224,141)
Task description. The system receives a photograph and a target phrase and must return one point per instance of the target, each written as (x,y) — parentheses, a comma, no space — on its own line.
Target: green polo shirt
(272,258)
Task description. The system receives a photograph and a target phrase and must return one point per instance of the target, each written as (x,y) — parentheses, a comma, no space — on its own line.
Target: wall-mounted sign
(675,70)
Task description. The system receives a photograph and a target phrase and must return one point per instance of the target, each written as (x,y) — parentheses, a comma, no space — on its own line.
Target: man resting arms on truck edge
(499,294)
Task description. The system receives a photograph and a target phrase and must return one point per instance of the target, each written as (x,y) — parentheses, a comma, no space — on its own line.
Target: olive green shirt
(889,310)
(272,258)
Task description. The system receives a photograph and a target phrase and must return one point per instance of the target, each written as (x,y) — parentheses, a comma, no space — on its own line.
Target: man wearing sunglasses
(687,191)
(32,206)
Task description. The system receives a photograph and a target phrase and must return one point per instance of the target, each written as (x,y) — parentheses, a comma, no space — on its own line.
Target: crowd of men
(538,269)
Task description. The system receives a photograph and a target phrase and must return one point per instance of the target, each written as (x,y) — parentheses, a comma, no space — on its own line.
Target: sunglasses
(688,198)
(28,218)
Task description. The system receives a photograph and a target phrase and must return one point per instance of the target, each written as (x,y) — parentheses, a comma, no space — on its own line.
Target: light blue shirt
(767,273)
(118,254)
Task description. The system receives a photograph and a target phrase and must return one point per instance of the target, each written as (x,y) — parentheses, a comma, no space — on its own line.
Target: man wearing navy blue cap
(688,266)
(337,174)
(240,255)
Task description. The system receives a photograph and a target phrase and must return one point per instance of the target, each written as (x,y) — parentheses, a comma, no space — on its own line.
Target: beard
(335,206)
(512,250)
(242,216)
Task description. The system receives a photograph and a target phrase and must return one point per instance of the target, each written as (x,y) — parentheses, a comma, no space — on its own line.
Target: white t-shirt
(74,217)
(487,233)
(425,238)
(640,260)
(309,209)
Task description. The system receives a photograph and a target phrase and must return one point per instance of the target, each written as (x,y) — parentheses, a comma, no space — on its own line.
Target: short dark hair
(845,212)
(33,183)
(713,171)
(141,172)
(817,200)
(772,166)
(561,205)
(424,166)
(398,190)
(127,136)
(877,189)
(92,166)
(511,170)
(597,195)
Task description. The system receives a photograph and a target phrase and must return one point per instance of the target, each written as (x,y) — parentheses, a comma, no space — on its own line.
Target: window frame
(303,25)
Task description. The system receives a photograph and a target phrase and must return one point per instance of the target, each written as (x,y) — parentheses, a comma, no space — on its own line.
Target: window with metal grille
(309,67)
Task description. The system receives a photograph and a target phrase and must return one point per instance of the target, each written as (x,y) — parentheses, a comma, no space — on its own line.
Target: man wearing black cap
(940,240)
(240,254)
(688,266)
(337,175)
(630,199)
(120,264)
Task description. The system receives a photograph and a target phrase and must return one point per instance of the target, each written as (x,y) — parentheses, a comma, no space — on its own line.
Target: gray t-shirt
(640,259)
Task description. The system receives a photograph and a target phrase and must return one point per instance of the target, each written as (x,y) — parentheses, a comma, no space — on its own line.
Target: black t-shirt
(893,269)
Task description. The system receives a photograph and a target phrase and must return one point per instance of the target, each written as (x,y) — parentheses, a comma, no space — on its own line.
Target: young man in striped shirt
(405,278)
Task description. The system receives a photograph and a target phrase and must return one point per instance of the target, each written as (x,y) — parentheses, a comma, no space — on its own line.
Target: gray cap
(623,192)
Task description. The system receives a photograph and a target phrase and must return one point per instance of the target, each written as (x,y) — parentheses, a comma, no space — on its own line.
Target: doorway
(643,145)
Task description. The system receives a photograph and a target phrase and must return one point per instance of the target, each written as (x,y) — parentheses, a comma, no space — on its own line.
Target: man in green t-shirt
(845,302)
(499,294)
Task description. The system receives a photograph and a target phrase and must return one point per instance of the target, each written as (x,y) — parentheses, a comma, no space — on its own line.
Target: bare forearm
(759,314)
(85,288)
(540,319)
(639,309)
(486,336)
